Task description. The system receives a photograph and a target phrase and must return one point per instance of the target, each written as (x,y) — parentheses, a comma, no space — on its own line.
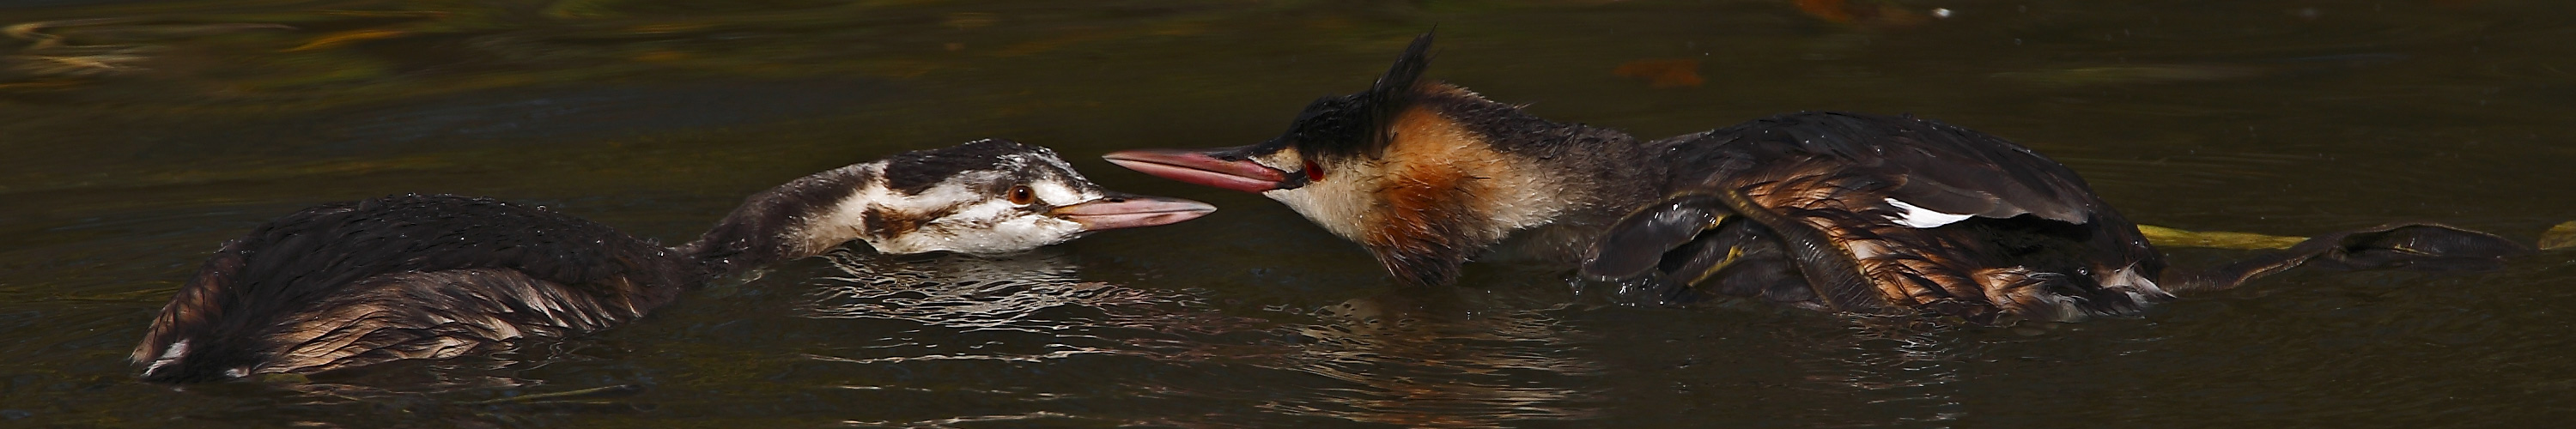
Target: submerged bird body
(402,277)
(436,276)
(1837,211)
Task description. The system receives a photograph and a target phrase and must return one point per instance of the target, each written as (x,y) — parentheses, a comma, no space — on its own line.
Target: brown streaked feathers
(2039,244)
(436,276)
(1850,212)
(331,260)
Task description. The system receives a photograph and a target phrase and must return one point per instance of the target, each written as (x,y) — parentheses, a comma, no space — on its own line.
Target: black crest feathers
(915,171)
(1392,89)
(1361,124)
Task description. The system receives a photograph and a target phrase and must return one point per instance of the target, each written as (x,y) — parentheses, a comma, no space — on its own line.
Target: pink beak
(1200,168)
(1118,211)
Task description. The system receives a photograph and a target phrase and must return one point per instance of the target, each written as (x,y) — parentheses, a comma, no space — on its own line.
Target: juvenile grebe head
(983,197)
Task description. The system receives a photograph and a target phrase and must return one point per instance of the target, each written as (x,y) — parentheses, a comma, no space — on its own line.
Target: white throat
(956,215)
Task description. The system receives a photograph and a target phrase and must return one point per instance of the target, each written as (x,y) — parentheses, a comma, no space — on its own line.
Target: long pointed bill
(1131,211)
(1197,167)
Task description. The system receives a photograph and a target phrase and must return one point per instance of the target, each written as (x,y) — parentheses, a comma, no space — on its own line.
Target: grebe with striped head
(438,276)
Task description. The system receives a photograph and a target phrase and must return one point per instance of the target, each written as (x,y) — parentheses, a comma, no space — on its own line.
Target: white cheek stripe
(1060,194)
(1919,217)
(983,212)
(984,224)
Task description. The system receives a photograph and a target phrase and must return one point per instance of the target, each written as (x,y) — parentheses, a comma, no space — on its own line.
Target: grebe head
(984,197)
(1407,168)
(1334,164)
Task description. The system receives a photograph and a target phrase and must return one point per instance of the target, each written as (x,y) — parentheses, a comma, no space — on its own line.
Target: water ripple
(1384,359)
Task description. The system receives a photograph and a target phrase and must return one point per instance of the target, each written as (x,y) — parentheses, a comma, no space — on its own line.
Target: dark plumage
(437,276)
(1840,211)
(411,276)
(2029,238)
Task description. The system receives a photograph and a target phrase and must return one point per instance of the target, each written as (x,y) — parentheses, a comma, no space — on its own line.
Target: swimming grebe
(1840,211)
(437,276)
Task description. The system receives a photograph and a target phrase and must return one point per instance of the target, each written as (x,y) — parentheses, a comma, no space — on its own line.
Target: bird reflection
(1037,292)
(1396,358)
(1901,368)
(1424,362)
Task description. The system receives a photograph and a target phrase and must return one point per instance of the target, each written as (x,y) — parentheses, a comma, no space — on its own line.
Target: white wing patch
(1919,217)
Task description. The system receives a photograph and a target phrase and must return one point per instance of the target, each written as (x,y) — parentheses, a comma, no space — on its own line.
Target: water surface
(139,134)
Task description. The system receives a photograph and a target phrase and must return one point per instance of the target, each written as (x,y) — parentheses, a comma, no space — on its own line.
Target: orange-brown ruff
(1437,169)
(1840,211)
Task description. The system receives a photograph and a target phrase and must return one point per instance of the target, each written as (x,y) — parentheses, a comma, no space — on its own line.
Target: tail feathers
(167,352)
(189,361)
(169,355)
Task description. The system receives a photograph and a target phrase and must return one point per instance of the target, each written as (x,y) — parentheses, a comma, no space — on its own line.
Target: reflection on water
(1906,371)
(473,391)
(1421,367)
(1388,358)
(970,292)
(50,51)
(1035,293)
(380,49)
(140,133)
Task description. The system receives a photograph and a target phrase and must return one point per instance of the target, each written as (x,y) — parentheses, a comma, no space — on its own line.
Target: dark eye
(1313,173)
(1022,195)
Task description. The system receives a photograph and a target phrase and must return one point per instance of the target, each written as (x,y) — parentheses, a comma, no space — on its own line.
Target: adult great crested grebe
(1840,211)
(437,276)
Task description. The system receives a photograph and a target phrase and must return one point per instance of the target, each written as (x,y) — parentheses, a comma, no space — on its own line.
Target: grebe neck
(780,224)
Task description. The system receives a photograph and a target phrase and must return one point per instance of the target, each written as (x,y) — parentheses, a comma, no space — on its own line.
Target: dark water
(135,135)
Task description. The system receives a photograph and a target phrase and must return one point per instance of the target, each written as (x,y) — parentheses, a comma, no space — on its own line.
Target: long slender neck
(1465,177)
(780,224)
(1574,180)
(1601,165)
(1592,175)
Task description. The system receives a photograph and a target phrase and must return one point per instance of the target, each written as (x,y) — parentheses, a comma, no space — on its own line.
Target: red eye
(1313,173)
(1022,195)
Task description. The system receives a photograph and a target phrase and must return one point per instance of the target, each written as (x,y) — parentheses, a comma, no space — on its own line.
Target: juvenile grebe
(1841,211)
(437,276)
